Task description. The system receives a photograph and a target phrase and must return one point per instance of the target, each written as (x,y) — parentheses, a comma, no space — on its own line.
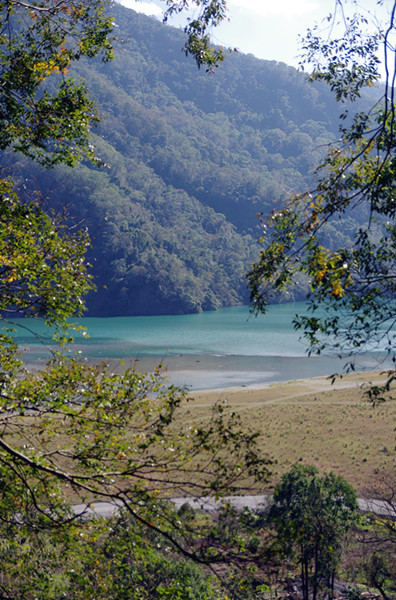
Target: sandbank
(292,389)
(205,375)
(216,372)
(260,386)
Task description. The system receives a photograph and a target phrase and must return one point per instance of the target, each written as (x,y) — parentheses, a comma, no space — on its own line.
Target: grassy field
(314,422)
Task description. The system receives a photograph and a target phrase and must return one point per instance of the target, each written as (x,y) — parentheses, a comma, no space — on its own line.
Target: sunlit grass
(335,430)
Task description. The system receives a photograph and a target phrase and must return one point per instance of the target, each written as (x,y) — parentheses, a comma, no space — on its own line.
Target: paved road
(107,509)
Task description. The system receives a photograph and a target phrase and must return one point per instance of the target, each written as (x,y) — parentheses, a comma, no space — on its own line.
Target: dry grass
(313,422)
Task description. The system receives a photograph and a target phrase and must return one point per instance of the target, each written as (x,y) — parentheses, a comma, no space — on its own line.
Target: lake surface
(229,347)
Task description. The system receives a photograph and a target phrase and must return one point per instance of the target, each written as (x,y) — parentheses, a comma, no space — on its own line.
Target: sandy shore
(215,372)
(280,391)
(260,386)
(214,375)
(305,419)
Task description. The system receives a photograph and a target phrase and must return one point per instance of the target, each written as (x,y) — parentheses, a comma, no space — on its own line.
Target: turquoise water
(207,350)
(230,331)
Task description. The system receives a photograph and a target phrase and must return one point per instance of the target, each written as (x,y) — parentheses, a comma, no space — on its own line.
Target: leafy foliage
(71,431)
(211,13)
(76,431)
(43,271)
(50,121)
(39,40)
(352,285)
(113,559)
(311,516)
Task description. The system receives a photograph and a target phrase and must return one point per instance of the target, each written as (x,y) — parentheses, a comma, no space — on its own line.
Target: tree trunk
(315,576)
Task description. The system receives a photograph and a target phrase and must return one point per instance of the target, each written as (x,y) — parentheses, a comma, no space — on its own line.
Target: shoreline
(237,373)
(281,390)
(269,392)
(305,419)
(199,372)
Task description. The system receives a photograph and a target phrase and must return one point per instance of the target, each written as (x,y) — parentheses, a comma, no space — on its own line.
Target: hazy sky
(266,28)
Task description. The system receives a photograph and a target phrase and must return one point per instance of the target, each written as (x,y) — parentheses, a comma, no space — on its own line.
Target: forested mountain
(190,159)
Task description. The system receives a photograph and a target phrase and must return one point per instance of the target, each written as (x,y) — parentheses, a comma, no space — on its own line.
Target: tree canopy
(311,515)
(76,433)
(48,121)
(352,298)
(71,432)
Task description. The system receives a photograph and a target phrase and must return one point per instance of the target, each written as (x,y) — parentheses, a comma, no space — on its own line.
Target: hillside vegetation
(190,159)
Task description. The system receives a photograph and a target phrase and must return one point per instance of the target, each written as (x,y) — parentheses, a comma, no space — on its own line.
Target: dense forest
(188,160)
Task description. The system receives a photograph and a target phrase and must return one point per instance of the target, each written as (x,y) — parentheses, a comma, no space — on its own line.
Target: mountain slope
(191,158)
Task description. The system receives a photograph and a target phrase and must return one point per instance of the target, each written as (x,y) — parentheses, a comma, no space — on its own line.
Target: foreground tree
(73,433)
(353,289)
(44,113)
(311,515)
(70,432)
(48,120)
(114,558)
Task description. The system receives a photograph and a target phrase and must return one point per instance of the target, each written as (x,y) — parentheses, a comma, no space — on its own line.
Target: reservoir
(224,348)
